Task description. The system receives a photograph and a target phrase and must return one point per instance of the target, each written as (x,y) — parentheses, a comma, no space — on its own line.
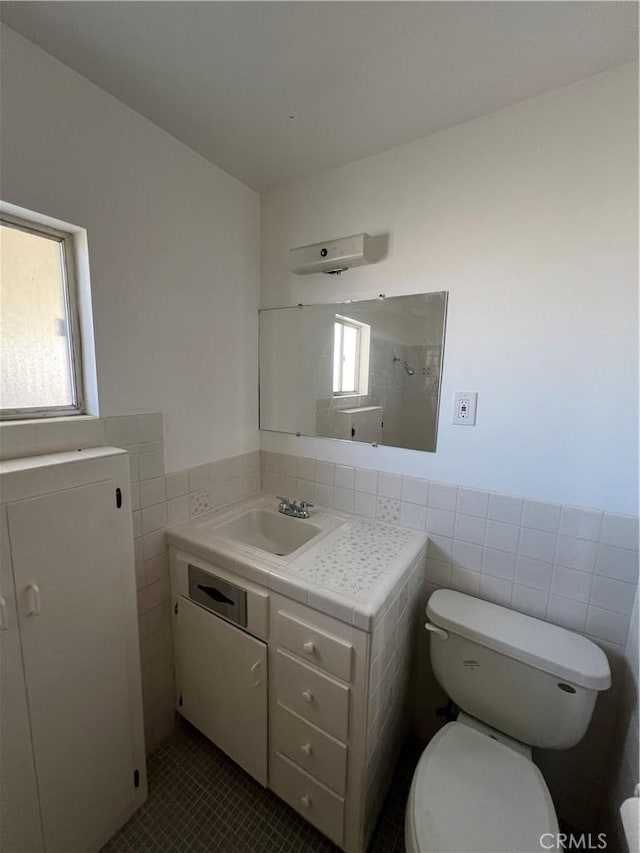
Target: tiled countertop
(348,571)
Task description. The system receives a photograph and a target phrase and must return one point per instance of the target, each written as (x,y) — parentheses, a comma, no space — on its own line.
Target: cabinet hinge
(136,778)
(180,700)
(175,609)
(118,498)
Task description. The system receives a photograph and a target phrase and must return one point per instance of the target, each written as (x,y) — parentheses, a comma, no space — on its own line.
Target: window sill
(67,419)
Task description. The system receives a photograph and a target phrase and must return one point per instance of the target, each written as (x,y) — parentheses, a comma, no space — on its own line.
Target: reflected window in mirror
(351,346)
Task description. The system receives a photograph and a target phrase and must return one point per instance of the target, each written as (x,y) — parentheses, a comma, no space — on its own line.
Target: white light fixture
(334,256)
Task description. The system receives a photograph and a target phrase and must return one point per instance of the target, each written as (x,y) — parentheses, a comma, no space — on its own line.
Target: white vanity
(293,642)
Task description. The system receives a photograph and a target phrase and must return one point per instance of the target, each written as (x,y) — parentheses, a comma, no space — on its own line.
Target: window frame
(361,356)
(66,242)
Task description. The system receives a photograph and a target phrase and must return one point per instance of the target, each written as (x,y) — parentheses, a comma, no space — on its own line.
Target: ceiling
(275,91)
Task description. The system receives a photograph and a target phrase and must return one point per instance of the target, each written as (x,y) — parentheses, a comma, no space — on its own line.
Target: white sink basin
(270,531)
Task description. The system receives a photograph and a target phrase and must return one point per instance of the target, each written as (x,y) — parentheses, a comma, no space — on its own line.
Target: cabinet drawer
(316,752)
(314,696)
(312,800)
(314,645)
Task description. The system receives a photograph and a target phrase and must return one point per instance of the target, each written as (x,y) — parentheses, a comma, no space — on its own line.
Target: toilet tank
(525,677)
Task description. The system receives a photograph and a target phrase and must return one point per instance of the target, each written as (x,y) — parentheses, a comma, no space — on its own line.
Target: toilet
(519,682)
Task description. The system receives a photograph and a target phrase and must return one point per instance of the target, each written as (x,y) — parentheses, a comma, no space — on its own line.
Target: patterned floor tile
(202,802)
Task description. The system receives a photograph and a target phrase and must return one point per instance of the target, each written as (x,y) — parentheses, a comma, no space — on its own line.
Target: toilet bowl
(473,794)
(519,682)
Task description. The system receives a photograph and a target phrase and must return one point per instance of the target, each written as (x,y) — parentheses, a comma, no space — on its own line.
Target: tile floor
(199,800)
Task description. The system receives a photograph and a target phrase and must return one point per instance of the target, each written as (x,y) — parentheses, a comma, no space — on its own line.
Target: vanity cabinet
(72,738)
(338,696)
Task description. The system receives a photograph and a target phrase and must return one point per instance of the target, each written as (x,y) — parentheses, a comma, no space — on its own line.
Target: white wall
(528,217)
(173,248)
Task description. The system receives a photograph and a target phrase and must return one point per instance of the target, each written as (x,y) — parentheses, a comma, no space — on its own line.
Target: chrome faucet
(292,508)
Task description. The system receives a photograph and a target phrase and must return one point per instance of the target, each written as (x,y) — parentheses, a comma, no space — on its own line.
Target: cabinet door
(222,685)
(20,827)
(68,568)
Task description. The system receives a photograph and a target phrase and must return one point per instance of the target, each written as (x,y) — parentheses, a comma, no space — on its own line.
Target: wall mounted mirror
(360,371)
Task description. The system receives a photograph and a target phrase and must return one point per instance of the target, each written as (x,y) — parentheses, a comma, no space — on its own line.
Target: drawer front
(312,800)
(314,696)
(186,567)
(218,595)
(314,645)
(319,754)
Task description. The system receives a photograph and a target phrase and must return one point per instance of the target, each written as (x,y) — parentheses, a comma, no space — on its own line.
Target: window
(350,356)
(40,355)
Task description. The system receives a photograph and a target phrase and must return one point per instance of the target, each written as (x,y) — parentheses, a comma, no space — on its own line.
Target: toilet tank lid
(539,644)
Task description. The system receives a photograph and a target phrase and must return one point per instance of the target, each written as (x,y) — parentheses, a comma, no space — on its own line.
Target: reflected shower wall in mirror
(361,371)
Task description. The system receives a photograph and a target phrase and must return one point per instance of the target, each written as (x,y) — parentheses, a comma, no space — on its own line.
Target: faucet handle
(284,500)
(305,504)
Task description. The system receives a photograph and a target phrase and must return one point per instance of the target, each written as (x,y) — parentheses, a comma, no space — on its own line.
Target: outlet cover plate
(465,404)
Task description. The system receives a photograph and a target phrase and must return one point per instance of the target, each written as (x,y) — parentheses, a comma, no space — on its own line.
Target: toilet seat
(472,794)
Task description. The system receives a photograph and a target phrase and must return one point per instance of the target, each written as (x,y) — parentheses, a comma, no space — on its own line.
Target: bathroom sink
(270,531)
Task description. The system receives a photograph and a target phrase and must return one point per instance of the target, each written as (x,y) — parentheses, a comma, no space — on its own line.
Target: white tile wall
(343,499)
(390,693)
(619,530)
(389,485)
(576,567)
(573,566)
(580,523)
(324,472)
(533,573)
(364,504)
(414,491)
(366,481)
(164,501)
(442,496)
(505,508)
(344,477)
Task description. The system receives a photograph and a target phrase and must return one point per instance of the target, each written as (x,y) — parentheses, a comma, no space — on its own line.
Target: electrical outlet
(464,408)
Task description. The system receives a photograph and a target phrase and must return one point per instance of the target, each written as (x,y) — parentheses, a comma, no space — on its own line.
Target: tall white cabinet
(72,761)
